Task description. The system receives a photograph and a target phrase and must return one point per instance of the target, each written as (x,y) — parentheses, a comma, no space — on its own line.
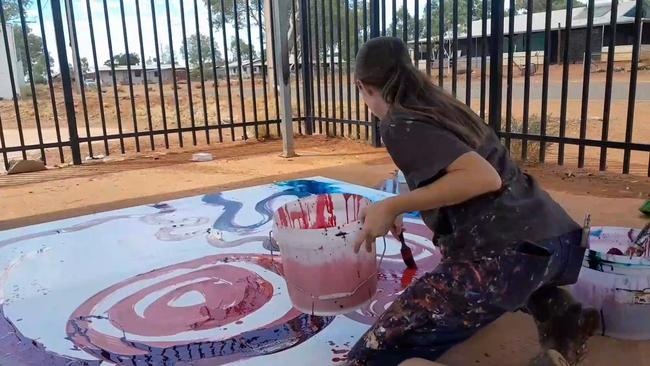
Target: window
(138,73)
(155,73)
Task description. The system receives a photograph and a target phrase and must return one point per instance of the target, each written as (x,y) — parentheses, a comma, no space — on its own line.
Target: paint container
(617,285)
(316,237)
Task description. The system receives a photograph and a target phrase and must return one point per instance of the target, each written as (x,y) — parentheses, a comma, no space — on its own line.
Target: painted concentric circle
(212,307)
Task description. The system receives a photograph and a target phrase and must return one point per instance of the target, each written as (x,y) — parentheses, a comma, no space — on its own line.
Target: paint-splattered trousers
(449,304)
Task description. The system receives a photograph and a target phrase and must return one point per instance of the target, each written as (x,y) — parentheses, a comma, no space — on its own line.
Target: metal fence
(559,81)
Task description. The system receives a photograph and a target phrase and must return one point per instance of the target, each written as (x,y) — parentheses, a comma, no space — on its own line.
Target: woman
(506,244)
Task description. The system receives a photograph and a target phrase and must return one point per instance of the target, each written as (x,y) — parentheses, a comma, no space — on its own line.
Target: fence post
(496,64)
(283,74)
(66,81)
(306,66)
(374,32)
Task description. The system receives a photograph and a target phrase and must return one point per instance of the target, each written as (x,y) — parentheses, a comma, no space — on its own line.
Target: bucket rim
(621,260)
(356,222)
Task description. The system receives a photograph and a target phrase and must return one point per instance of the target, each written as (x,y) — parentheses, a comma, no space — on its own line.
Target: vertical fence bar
(441,43)
(333,65)
(629,127)
(470,51)
(251,68)
(318,65)
(30,73)
(12,80)
(264,69)
(144,74)
(394,23)
(416,37)
(339,46)
(215,75)
(586,74)
(118,113)
(160,79)
(374,32)
(240,71)
(524,125)
(326,67)
(383,18)
(306,66)
(98,82)
(65,79)
(454,49)
(356,50)
(201,72)
(295,62)
(608,83)
(496,60)
(548,44)
(565,81)
(484,47)
(275,79)
(226,62)
(187,71)
(55,112)
(365,39)
(130,77)
(80,74)
(405,13)
(511,37)
(5,160)
(174,78)
(428,27)
(347,65)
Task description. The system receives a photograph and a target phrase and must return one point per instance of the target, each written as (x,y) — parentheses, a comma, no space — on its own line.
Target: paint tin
(316,237)
(617,285)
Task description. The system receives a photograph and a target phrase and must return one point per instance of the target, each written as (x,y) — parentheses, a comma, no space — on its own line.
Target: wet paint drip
(394,277)
(210,294)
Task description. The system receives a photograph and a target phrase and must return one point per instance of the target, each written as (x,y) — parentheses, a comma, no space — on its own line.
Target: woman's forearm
(468,177)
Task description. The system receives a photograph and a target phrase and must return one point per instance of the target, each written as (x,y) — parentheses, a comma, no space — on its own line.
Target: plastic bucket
(316,238)
(617,285)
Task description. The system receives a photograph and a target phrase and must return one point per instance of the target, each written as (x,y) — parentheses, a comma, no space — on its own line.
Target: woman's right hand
(398,226)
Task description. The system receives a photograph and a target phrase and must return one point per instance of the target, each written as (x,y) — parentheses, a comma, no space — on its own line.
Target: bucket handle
(342,295)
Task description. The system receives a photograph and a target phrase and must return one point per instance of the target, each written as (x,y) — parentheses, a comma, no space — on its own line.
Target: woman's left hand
(377,219)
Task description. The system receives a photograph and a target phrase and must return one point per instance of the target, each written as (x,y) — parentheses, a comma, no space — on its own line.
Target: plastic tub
(316,238)
(617,285)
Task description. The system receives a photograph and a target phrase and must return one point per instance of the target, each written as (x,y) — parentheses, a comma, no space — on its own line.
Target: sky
(117,35)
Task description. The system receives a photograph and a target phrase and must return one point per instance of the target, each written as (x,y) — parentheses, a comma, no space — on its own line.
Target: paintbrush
(407,255)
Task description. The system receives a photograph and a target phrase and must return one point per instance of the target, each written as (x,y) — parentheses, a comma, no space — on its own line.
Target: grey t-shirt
(485,226)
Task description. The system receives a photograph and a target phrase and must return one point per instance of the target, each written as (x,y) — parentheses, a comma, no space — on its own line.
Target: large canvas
(193,281)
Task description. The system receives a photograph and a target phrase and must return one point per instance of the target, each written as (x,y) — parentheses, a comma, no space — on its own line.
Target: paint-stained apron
(449,304)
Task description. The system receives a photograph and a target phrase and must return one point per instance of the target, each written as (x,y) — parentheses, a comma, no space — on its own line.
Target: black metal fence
(559,81)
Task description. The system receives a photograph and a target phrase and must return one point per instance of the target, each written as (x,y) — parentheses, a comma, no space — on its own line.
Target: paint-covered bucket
(316,237)
(617,285)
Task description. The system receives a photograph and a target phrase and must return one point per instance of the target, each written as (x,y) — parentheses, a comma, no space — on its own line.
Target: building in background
(601,32)
(5,79)
(137,77)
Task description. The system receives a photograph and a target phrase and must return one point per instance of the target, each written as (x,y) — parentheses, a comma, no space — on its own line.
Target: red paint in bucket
(316,238)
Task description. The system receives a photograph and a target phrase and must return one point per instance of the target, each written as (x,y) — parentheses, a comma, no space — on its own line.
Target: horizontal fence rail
(563,82)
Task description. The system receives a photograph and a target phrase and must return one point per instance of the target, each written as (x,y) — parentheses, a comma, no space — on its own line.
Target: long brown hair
(384,63)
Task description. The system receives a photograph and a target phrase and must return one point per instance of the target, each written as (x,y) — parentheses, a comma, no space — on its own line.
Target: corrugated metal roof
(602,14)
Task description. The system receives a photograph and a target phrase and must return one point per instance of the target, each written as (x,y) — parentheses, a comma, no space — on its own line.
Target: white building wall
(5,81)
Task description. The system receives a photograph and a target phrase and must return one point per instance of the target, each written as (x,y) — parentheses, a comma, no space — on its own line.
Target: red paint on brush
(407,254)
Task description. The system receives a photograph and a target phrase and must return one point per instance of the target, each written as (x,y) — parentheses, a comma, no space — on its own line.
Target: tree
(206,52)
(122,59)
(244,49)
(255,7)
(540,6)
(326,45)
